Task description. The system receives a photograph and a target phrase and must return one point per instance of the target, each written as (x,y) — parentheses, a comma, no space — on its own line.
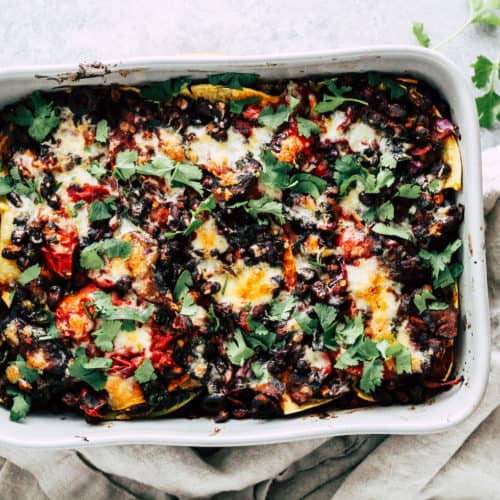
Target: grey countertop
(60,31)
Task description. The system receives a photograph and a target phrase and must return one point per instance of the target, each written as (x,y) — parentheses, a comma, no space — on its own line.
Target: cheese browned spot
(123,393)
(376,294)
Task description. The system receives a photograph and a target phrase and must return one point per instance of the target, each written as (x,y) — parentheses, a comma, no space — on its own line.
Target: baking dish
(472,360)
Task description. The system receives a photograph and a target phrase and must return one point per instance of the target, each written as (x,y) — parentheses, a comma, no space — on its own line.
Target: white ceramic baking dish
(472,362)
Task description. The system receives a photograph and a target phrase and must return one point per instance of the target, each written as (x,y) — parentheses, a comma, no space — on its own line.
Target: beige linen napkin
(461,463)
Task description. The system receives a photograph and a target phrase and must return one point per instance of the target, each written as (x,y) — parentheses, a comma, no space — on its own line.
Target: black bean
(54,296)
(15,199)
(36,236)
(12,252)
(19,236)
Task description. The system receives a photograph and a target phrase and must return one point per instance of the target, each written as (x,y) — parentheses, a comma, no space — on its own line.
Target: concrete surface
(62,31)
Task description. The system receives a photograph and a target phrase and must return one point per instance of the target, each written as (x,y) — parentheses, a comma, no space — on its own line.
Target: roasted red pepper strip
(58,253)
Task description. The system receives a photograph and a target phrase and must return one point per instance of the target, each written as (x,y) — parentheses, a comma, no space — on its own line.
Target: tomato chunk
(72,318)
(62,240)
(88,192)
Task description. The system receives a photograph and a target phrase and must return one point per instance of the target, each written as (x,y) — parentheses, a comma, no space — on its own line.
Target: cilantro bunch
(39,117)
(486,72)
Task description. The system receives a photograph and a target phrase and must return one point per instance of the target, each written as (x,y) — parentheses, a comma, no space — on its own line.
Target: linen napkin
(461,463)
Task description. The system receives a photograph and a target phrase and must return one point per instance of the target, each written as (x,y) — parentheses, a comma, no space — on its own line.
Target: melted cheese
(351,204)
(136,341)
(359,135)
(81,221)
(205,149)
(374,292)
(317,360)
(254,284)
(171,144)
(123,393)
(208,238)
(309,211)
(8,268)
(244,284)
(418,358)
(70,142)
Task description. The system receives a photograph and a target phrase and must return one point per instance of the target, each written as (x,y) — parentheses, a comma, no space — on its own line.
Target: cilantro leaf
(377,79)
(258,370)
(372,375)
(237,106)
(434,186)
(6,185)
(29,274)
(237,351)
(486,73)
(308,184)
(189,306)
(347,171)
(307,127)
(442,273)
(102,131)
(188,175)
(25,372)
(145,372)
(40,120)
(260,335)
(388,160)
(346,358)
(438,306)
(22,116)
(420,299)
(420,34)
(484,12)
(483,71)
(327,317)
(90,258)
(261,206)
(448,276)
(163,91)
(281,310)
(213,318)
(89,372)
(275,173)
(44,118)
(104,336)
(402,357)
(392,230)
(274,118)
(386,211)
(367,349)
(309,325)
(206,205)
(352,331)
(233,80)
(410,191)
(488,108)
(184,281)
(159,167)
(105,309)
(125,164)
(95,170)
(20,408)
(336,99)
(99,210)
(374,184)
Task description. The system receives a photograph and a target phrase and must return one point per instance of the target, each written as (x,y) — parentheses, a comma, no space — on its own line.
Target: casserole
(472,379)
